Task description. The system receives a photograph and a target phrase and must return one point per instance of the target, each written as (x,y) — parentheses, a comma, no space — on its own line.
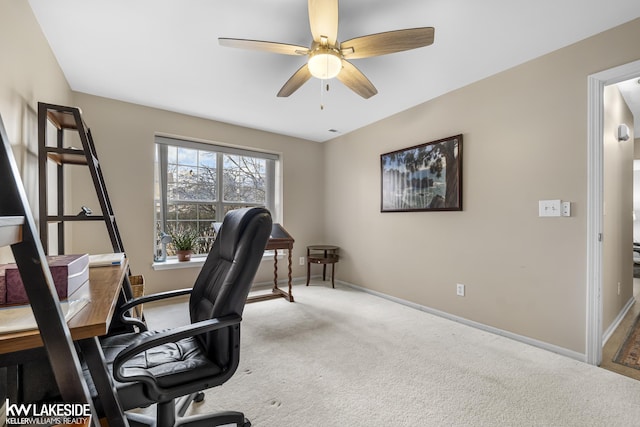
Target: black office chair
(159,367)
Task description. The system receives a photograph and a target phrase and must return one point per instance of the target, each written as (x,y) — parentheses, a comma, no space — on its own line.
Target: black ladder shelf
(70,119)
(17,229)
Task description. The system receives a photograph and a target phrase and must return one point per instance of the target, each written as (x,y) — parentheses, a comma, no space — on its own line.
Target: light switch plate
(549,208)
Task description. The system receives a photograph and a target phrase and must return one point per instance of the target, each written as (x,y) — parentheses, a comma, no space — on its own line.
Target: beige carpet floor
(341,357)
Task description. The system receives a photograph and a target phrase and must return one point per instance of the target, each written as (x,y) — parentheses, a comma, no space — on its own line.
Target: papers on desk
(20,318)
(106,260)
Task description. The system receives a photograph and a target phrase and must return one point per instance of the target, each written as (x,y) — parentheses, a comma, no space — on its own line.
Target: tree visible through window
(197,184)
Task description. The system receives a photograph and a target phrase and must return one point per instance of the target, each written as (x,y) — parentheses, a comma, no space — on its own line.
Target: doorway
(595,189)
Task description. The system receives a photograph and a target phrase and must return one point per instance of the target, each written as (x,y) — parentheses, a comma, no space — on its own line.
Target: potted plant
(184,241)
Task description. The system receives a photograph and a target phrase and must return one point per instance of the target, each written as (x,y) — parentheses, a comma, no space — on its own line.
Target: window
(198,183)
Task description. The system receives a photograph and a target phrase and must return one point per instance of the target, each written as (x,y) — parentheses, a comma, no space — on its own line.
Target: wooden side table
(322,254)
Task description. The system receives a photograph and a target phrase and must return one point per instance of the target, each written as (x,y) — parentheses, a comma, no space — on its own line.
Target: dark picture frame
(425,177)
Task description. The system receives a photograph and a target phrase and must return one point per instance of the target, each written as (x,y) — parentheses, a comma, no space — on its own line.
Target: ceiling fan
(328,58)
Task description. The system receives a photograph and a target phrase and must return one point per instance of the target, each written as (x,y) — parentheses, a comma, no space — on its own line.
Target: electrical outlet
(301,260)
(460,290)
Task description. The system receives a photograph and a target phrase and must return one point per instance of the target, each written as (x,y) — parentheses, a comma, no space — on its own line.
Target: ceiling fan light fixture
(325,64)
(328,57)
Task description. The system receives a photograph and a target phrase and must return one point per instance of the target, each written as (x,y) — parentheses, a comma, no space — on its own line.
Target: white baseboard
(536,343)
(611,329)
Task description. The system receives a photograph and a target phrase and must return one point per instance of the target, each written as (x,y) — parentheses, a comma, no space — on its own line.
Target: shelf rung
(59,218)
(63,117)
(68,158)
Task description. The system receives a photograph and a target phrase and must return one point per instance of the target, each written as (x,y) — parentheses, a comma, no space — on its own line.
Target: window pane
(185,174)
(244,179)
(207,159)
(171,225)
(172,154)
(207,212)
(233,207)
(187,157)
(205,191)
(171,212)
(191,183)
(187,211)
(187,225)
(207,236)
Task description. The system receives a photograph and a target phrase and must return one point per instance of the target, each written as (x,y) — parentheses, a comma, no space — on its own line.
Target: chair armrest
(172,335)
(124,308)
(154,297)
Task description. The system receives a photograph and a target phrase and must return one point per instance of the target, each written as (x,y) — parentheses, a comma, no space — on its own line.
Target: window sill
(173,264)
(196,262)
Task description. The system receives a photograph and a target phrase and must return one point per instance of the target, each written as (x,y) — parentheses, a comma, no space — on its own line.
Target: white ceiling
(165,53)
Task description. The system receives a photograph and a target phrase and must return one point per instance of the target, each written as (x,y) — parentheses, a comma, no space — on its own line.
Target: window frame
(273,181)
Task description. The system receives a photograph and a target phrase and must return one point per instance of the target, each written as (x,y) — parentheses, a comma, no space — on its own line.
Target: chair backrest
(226,277)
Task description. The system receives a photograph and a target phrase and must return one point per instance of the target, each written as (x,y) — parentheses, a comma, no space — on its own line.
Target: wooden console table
(279,239)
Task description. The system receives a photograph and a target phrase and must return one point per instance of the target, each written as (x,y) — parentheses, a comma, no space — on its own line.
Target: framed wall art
(426,177)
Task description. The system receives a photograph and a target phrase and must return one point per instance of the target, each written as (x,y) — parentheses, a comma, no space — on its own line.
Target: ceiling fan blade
(387,42)
(285,49)
(299,78)
(323,19)
(353,78)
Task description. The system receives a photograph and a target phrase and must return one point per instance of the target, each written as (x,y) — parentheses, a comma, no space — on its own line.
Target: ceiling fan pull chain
(322,90)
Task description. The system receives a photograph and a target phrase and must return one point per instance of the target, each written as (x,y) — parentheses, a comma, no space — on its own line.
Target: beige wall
(617,265)
(124,138)
(29,73)
(525,139)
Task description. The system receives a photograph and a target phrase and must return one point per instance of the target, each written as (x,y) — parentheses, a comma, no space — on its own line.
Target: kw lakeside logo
(71,414)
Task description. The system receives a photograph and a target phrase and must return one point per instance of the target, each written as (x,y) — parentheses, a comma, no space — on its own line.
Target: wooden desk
(105,284)
(93,319)
(279,239)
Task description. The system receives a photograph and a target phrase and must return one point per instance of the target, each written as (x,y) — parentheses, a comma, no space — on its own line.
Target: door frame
(595,198)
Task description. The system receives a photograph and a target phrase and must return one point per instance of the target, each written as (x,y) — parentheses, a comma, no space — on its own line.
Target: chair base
(209,420)
(185,401)
(170,414)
